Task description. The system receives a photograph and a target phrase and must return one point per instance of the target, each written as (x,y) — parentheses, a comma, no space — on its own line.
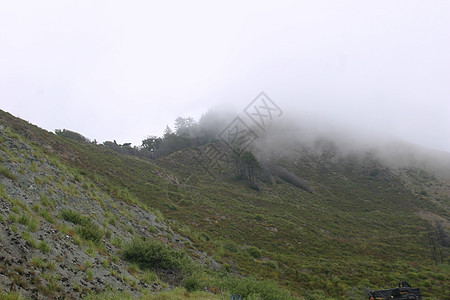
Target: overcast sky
(125,69)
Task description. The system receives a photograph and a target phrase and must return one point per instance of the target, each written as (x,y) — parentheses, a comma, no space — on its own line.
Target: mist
(122,72)
(293,134)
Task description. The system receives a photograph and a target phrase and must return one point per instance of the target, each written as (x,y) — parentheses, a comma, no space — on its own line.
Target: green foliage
(47,215)
(43,263)
(45,201)
(44,246)
(251,288)
(89,274)
(52,285)
(34,166)
(86,229)
(149,277)
(117,241)
(11,296)
(31,222)
(90,232)
(74,217)
(254,252)
(123,194)
(152,254)
(194,282)
(3,192)
(6,172)
(33,243)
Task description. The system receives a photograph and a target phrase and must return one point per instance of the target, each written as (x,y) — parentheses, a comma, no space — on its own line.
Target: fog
(294,134)
(122,71)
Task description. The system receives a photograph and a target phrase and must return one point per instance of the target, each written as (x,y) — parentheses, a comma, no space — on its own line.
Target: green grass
(6,172)
(43,263)
(47,215)
(29,221)
(44,246)
(3,192)
(11,296)
(37,244)
(74,217)
(153,255)
(175,294)
(90,232)
(45,201)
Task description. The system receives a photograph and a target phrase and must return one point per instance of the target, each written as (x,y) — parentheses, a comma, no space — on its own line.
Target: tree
(251,166)
(172,142)
(151,143)
(246,166)
(183,126)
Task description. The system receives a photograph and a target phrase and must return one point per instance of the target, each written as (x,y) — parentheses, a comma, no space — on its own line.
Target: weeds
(74,217)
(152,254)
(90,232)
(6,172)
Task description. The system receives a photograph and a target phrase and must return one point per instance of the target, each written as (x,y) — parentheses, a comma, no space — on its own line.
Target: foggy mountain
(298,211)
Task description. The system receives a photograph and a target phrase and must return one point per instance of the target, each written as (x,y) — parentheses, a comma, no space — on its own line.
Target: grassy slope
(356,230)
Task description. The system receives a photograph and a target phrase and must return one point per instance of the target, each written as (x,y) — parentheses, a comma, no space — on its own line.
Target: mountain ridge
(342,229)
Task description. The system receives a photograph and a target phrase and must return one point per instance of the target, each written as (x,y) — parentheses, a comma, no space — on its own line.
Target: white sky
(125,69)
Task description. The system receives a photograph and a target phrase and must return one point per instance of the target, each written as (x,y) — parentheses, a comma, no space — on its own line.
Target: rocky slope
(43,253)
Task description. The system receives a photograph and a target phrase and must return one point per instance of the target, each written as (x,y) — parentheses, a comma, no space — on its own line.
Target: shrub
(149,277)
(27,237)
(230,246)
(194,283)
(7,173)
(254,252)
(47,215)
(254,289)
(3,192)
(152,254)
(90,232)
(74,217)
(272,264)
(11,296)
(46,201)
(44,247)
(226,268)
(29,221)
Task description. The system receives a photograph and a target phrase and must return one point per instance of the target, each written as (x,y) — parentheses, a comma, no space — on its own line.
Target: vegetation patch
(90,232)
(154,255)
(6,172)
(250,288)
(74,217)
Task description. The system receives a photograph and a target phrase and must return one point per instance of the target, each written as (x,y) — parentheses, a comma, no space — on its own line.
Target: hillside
(70,210)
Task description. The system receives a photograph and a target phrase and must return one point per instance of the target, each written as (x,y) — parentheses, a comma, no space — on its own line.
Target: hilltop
(313,224)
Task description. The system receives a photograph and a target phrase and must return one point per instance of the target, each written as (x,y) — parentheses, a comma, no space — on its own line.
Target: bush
(74,217)
(254,289)
(44,247)
(90,232)
(29,221)
(194,283)
(152,254)
(230,246)
(7,173)
(254,252)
